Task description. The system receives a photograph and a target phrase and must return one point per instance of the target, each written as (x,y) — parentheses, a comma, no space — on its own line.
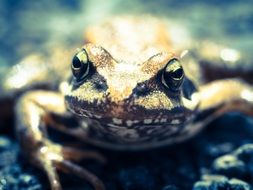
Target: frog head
(130,101)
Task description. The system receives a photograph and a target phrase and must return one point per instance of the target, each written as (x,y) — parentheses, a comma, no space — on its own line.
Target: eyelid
(80,66)
(170,81)
(82,55)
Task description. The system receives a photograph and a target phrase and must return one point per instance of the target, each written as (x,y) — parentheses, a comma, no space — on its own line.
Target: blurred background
(32,26)
(26,26)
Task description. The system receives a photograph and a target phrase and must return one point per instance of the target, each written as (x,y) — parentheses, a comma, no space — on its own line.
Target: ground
(219,158)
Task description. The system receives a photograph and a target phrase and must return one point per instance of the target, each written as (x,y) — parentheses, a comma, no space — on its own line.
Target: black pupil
(77,63)
(79,68)
(177,74)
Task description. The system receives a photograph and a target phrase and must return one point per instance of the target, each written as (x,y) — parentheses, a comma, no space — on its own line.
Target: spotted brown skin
(132,87)
(138,107)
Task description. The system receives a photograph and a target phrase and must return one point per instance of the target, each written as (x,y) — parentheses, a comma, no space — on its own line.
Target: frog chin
(133,135)
(128,123)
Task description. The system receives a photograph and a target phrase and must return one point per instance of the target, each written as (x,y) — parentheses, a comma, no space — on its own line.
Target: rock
(204,185)
(229,165)
(8,151)
(236,184)
(211,182)
(12,177)
(245,153)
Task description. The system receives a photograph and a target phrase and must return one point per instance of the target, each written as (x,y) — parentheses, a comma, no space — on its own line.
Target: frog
(130,87)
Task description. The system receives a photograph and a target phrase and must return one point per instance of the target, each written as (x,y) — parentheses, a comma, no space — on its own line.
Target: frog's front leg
(226,95)
(217,98)
(219,62)
(33,115)
(220,97)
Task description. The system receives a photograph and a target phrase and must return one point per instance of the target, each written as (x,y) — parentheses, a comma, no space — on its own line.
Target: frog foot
(53,156)
(33,116)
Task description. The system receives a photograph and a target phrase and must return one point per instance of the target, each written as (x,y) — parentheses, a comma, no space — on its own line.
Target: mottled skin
(132,87)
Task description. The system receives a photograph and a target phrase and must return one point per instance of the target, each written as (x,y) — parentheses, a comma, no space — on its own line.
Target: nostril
(100,86)
(141,90)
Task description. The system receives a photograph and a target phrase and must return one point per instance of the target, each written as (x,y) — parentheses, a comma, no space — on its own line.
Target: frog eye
(173,75)
(80,65)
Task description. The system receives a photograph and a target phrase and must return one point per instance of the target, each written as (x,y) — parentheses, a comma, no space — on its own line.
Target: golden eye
(80,65)
(173,75)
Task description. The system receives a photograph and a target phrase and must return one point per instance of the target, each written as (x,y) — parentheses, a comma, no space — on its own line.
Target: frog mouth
(118,122)
(165,119)
(129,123)
(133,134)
